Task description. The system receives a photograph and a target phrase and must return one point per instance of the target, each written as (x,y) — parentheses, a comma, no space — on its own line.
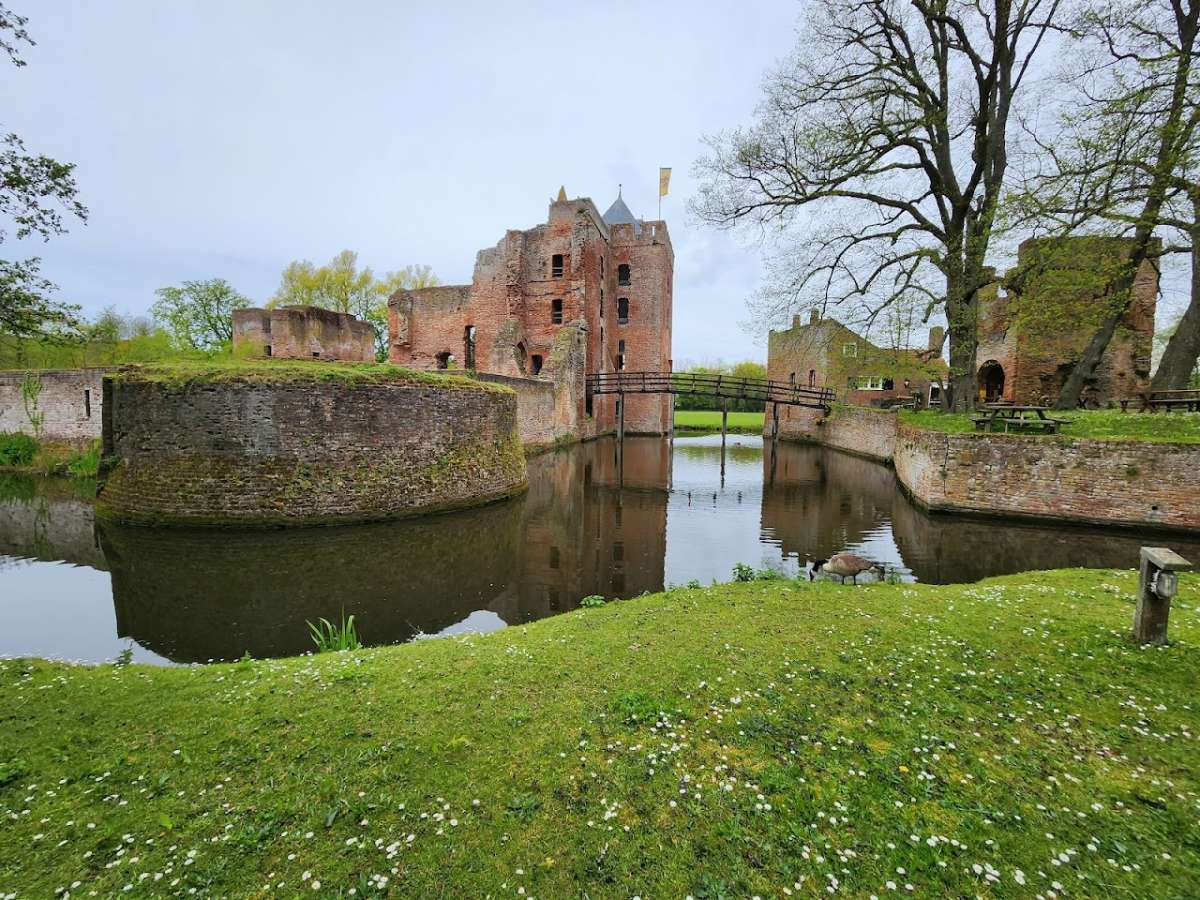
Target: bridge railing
(726,386)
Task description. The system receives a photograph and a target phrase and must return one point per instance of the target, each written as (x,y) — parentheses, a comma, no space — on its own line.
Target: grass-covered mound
(1002,739)
(1094,424)
(184,372)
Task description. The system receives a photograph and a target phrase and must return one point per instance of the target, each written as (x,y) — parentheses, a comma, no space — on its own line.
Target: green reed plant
(330,638)
(17,448)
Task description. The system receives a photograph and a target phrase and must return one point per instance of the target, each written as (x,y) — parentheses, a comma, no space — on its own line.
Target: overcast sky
(223,139)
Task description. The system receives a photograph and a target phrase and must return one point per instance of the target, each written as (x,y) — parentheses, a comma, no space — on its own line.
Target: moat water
(594,522)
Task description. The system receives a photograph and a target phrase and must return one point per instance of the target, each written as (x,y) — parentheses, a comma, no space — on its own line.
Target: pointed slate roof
(619,214)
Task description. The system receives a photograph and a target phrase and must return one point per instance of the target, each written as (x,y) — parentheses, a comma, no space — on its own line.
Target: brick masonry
(71,400)
(312,451)
(303,332)
(1134,483)
(508,321)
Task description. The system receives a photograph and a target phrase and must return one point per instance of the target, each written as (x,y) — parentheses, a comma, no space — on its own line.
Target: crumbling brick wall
(303,332)
(1036,324)
(70,403)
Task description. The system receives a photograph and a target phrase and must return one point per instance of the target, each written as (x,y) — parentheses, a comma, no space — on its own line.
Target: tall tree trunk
(1183,349)
(962,332)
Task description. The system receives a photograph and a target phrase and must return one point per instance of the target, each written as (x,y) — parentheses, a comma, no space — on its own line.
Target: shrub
(592,600)
(17,449)
(743,572)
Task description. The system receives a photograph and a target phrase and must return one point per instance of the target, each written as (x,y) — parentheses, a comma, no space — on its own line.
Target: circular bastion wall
(302,444)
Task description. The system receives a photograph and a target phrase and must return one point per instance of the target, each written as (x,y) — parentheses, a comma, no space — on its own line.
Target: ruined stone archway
(991,381)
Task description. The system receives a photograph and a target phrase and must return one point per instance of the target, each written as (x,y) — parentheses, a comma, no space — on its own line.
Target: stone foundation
(1131,483)
(321,447)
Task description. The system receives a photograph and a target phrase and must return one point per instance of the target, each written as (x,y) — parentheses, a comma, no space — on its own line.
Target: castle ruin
(581,294)
(303,332)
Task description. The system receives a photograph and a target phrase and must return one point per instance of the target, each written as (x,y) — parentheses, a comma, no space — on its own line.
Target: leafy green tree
(36,193)
(199,314)
(747,369)
(881,148)
(344,287)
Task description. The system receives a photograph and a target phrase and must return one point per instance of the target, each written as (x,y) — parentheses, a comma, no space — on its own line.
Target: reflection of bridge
(722,387)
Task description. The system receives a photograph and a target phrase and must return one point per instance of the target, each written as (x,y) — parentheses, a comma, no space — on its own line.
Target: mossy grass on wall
(185,372)
(1101,425)
(763,738)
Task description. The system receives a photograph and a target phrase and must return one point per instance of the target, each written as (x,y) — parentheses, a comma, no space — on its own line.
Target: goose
(844,565)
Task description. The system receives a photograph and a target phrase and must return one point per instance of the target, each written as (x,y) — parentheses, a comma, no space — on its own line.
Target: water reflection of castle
(592,523)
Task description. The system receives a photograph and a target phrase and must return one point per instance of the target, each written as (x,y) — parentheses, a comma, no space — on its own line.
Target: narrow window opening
(792,379)
(556,314)
(556,266)
(623,274)
(620,356)
(267,349)
(587,403)
(812,377)
(535,364)
(469,346)
(87,403)
(443,359)
(623,311)
(316,354)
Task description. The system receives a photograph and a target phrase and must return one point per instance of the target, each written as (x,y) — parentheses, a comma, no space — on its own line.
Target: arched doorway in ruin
(991,381)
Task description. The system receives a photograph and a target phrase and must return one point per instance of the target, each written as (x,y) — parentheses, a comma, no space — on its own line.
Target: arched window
(556,311)
(623,311)
(444,358)
(623,274)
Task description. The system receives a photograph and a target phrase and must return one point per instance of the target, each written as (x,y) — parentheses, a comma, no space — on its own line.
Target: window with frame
(623,274)
(556,266)
(871,382)
(620,356)
(556,311)
(850,349)
(623,311)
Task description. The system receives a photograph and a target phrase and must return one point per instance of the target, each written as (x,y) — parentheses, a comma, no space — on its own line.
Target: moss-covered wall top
(302,443)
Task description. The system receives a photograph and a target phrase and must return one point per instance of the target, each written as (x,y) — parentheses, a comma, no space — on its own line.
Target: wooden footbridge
(721,387)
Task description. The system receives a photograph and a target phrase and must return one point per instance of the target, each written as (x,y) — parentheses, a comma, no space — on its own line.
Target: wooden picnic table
(1017,417)
(1187,399)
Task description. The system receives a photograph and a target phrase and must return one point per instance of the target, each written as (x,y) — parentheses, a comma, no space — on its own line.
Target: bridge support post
(774,423)
(724,418)
(621,418)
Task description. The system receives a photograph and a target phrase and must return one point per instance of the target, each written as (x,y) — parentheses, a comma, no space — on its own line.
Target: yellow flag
(664,179)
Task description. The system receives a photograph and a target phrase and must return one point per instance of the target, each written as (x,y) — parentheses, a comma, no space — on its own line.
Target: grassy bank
(997,739)
(1104,424)
(710,420)
(26,455)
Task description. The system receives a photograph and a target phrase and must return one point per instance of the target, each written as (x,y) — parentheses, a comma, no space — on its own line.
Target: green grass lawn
(1099,424)
(710,420)
(1001,739)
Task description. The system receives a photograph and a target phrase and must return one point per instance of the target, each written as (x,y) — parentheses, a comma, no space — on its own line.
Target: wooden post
(621,418)
(774,423)
(1157,583)
(724,418)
